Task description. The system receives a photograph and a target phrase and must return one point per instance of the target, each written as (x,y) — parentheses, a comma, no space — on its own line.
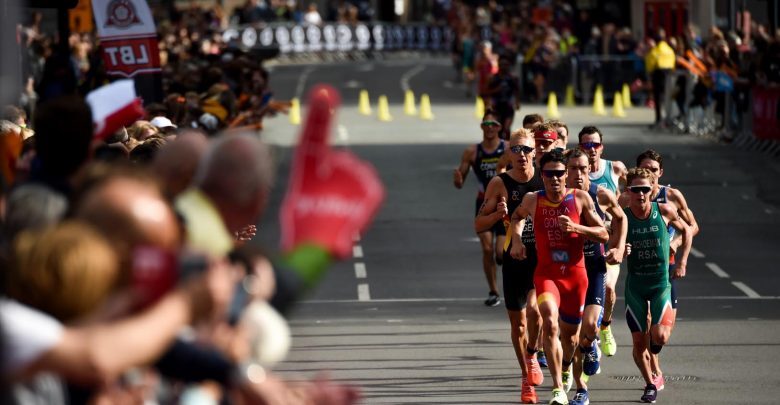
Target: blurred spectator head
(176,162)
(141,130)
(145,152)
(237,174)
(32,207)
(163,124)
(15,114)
(66,271)
(10,150)
(126,205)
(63,133)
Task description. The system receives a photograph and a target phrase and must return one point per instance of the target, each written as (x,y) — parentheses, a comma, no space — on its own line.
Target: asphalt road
(404,317)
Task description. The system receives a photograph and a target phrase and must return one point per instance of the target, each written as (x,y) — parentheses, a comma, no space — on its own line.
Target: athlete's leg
(499,248)
(534,322)
(655,362)
(642,363)
(608,343)
(517,326)
(488,263)
(548,300)
(588,332)
(662,318)
(636,316)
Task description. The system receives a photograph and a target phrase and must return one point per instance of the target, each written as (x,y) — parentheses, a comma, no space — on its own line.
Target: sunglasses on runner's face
(491,123)
(521,149)
(640,189)
(557,150)
(553,173)
(590,145)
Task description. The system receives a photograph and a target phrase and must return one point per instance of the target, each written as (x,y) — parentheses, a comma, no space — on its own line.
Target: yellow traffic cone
(626,96)
(364,106)
(425,108)
(617,107)
(409,107)
(552,106)
(598,101)
(384,110)
(479,108)
(569,101)
(295,111)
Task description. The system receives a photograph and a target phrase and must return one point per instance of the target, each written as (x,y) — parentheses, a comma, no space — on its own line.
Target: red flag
(332,195)
(114,106)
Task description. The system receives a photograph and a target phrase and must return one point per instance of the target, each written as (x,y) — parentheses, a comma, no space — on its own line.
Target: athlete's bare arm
(620,170)
(459,175)
(669,212)
(493,208)
(617,238)
(591,226)
(676,197)
(503,162)
(526,208)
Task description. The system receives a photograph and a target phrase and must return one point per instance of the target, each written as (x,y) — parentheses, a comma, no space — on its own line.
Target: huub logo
(640,231)
(121,14)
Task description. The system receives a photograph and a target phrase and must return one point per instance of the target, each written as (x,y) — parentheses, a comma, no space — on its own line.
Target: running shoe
(567,379)
(659,381)
(591,359)
(493,299)
(541,358)
(558,397)
(608,344)
(528,393)
(535,376)
(650,394)
(580,398)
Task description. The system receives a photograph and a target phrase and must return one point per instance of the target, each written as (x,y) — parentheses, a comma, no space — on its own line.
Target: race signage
(128,37)
(337,37)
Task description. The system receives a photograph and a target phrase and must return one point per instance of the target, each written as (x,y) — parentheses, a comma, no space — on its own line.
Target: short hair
(554,156)
(66,271)
(521,133)
(63,134)
(139,127)
(489,111)
(559,124)
(32,207)
(652,155)
(573,154)
(145,152)
(588,130)
(236,167)
(532,119)
(13,113)
(545,126)
(638,173)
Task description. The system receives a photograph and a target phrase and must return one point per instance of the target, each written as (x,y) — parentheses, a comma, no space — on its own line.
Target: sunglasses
(590,145)
(491,123)
(560,150)
(640,189)
(553,173)
(521,149)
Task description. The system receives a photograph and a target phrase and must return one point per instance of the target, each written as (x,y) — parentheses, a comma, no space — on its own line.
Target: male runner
(483,159)
(563,133)
(504,193)
(608,174)
(531,121)
(652,160)
(596,259)
(563,218)
(647,281)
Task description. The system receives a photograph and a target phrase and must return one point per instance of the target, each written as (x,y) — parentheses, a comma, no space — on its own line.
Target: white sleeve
(26,334)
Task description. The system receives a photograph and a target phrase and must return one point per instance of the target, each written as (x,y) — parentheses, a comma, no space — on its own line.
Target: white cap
(162,122)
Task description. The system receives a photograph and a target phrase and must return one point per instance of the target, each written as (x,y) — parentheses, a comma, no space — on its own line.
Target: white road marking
(412,300)
(302,81)
(745,289)
(408,75)
(363,294)
(697,253)
(343,133)
(357,251)
(360,270)
(717,270)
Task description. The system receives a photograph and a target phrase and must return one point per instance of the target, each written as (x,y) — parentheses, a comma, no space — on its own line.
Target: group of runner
(560,222)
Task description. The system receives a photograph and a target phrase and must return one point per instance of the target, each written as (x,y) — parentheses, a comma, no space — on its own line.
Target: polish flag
(113,106)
